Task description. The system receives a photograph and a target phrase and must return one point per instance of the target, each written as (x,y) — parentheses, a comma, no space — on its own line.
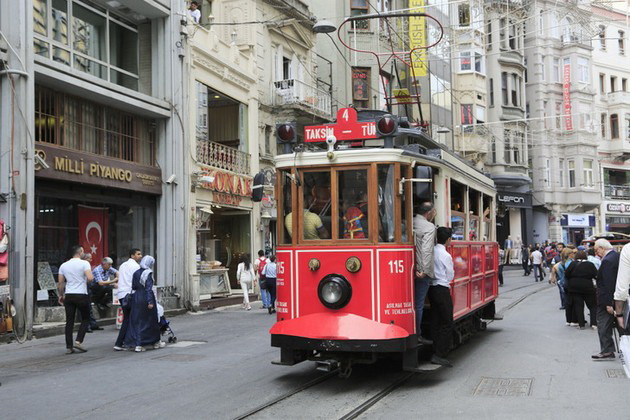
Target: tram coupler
(327,365)
(290,357)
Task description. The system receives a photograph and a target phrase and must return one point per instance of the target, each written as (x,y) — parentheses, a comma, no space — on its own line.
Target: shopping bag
(624,353)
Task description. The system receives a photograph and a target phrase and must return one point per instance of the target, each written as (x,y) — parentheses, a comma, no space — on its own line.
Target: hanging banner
(418,38)
(566,95)
(93,222)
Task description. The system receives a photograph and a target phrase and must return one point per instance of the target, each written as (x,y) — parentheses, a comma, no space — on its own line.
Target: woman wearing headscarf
(144,329)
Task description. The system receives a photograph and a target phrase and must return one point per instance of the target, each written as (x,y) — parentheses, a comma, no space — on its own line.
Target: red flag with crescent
(93,222)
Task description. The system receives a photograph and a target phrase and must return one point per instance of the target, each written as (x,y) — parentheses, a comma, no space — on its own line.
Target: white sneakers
(159,345)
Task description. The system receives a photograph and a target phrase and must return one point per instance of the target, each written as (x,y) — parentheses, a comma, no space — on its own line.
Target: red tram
(345,290)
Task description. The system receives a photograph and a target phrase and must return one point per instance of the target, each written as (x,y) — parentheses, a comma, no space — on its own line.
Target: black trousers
(125,303)
(271,288)
(605,324)
(441,319)
(579,299)
(102,294)
(526,270)
(73,303)
(501,274)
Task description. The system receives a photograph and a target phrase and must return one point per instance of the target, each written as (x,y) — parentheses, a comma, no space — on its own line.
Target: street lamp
(324,27)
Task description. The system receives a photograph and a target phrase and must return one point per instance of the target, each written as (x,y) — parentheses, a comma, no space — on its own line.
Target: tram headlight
(334,291)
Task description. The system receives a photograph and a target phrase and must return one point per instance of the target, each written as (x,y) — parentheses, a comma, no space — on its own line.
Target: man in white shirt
(194,11)
(537,258)
(125,276)
(424,240)
(73,279)
(622,285)
(440,298)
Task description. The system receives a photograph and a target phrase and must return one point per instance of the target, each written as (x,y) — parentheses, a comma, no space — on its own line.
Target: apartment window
(79,124)
(541,21)
(602,37)
(514,89)
(359,8)
(360,87)
(613,84)
(602,122)
(464,61)
(489,34)
(584,116)
(571,174)
(491,92)
(556,70)
(504,88)
(558,115)
(479,63)
(525,64)
(542,67)
(587,170)
(545,115)
(518,138)
(547,173)
(89,39)
(561,172)
(583,70)
(512,39)
(620,41)
(614,126)
(493,149)
(627,118)
(467,114)
(463,13)
(502,32)
(507,141)
(602,83)
(624,84)
(480,114)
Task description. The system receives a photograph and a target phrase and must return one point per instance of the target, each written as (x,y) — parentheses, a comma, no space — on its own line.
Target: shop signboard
(515,200)
(578,220)
(618,208)
(63,164)
(227,187)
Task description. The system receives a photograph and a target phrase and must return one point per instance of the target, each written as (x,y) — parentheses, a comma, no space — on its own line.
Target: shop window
(587,168)
(72,122)
(316,218)
(385,199)
(359,8)
(361,87)
(102,44)
(458,210)
(614,126)
(352,203)
(571,174)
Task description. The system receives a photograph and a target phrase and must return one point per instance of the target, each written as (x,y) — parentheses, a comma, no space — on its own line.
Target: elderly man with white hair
(105,278)
(623,283)
(606,279)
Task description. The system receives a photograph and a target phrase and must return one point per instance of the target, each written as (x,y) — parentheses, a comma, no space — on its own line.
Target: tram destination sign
(347,128)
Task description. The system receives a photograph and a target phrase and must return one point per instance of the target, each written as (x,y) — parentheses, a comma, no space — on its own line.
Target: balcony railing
(619,192)
(223,157)
(296,92)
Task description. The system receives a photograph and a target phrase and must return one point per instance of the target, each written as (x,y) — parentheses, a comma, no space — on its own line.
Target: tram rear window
(352,187)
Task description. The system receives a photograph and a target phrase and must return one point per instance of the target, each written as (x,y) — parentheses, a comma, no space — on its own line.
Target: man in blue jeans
(424,239)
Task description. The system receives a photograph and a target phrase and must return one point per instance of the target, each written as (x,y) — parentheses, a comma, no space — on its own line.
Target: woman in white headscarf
(144,329)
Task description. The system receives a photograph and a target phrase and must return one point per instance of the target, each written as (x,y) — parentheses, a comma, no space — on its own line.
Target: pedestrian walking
(424,239)
(606,280)
(270,273)
(440,298)
(621,286)
(259,266)
(73,279)
(92,324)
(144,328)
(537,259)
(245,276)
(525,259)
(579,277)
(566,302)
(125,281)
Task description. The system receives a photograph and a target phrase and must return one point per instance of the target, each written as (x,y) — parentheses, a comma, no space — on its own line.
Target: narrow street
(530,365)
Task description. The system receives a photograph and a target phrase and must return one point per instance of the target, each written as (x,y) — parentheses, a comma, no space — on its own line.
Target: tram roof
(438,158)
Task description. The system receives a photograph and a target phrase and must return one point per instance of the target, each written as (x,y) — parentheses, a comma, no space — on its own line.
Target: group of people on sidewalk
(264,272)
(599,278)
(134,288)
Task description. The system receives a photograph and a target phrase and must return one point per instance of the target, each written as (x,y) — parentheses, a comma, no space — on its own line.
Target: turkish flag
(93,222)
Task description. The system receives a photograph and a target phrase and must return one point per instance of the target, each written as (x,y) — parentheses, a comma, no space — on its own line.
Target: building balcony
(223,157)
(617,192)
(618,98)
(575,39)
(618,148)
(295,93)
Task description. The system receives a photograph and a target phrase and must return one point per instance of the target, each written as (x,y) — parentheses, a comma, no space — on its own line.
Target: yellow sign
(402,96)
(418,38)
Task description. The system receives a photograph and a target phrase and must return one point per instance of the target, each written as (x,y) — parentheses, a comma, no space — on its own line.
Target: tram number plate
(396,266)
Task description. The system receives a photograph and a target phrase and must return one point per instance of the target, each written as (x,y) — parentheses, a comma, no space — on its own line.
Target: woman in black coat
(579,277)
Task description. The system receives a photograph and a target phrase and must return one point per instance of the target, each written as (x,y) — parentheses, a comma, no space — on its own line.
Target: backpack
(261,264)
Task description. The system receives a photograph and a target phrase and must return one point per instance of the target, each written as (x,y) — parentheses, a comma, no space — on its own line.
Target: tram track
(375,398)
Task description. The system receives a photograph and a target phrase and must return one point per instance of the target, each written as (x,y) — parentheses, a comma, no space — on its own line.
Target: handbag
(624,352)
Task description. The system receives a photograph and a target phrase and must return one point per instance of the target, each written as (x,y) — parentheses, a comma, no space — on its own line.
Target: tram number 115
(396,267)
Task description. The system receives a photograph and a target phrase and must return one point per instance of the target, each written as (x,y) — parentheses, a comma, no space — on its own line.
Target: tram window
(385,197)
(287,202)
(317,205)
(458,217)
(353,204)
(406,214)
(474,220)
(487,215)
